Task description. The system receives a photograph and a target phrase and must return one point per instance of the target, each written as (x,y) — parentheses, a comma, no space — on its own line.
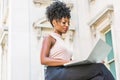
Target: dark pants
(96,71)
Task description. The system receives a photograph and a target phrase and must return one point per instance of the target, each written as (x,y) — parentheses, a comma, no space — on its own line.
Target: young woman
(54,53)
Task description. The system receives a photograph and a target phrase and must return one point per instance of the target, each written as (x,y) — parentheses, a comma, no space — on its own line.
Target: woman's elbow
(43,62)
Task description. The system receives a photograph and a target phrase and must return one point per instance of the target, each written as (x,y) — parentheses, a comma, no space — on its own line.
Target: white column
(19,40)
(0,58)
(83,39)
(116,36)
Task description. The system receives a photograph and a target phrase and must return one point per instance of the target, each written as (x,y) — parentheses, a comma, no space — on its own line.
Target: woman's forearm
(53,62)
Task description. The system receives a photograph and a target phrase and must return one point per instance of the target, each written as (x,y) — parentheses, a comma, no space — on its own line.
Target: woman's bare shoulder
(47,38)
(48,42)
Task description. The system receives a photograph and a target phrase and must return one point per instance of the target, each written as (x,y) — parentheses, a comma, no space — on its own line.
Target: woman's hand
(103,61)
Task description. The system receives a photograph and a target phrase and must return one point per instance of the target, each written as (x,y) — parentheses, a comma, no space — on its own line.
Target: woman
(54,53)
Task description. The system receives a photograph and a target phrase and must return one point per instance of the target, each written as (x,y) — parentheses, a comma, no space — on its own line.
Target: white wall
(0,59)
(83,40)
(116,36)
(36,69)
(19,31)
(98,5)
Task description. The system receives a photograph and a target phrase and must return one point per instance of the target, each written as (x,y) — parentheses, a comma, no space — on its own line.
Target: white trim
(101,13)
(39,21)
(41,1)
(106,31)
(109,61)
(3,35)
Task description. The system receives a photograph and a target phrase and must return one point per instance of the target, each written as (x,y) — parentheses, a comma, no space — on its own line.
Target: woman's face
(61,26)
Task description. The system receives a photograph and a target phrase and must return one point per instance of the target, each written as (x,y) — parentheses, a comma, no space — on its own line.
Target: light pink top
(59,50)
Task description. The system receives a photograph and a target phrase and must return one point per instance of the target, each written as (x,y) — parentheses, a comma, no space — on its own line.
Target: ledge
(100,15)
(41,2)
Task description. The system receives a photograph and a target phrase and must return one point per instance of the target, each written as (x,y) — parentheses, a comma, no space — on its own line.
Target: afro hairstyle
(57,10)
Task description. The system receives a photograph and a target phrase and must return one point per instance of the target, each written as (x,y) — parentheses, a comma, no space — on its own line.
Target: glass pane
(111,54)
(109,41)
(112,68)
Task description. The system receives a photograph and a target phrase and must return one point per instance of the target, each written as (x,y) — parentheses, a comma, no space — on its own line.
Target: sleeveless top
(59,50)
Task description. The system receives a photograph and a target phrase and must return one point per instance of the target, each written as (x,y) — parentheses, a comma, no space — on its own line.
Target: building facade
(24,25)
(4,10)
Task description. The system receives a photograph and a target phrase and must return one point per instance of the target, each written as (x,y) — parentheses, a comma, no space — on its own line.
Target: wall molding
(105,12)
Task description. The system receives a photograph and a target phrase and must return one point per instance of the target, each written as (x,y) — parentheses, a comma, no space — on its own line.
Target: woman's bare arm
(45,59)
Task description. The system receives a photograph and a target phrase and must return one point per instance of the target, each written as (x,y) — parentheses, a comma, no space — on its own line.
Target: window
(110,58)
(101,28)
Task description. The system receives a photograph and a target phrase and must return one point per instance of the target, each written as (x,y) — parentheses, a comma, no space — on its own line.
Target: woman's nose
(67,24)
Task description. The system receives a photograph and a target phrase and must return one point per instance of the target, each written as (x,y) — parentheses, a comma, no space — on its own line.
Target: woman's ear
(54,22)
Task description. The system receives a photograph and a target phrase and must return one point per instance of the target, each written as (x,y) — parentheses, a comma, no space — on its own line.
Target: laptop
(99,52)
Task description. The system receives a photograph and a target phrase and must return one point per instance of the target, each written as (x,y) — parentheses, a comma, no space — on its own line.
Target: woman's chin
(64,32)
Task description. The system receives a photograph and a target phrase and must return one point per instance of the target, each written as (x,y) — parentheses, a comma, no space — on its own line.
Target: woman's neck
(59,33)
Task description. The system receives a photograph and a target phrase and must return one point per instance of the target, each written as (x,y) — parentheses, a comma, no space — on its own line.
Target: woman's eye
(63,22)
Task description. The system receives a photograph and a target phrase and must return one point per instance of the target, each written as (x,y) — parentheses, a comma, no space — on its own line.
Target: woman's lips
(65,29)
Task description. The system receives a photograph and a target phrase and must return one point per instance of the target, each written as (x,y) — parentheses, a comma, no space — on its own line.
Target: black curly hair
(57,10)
